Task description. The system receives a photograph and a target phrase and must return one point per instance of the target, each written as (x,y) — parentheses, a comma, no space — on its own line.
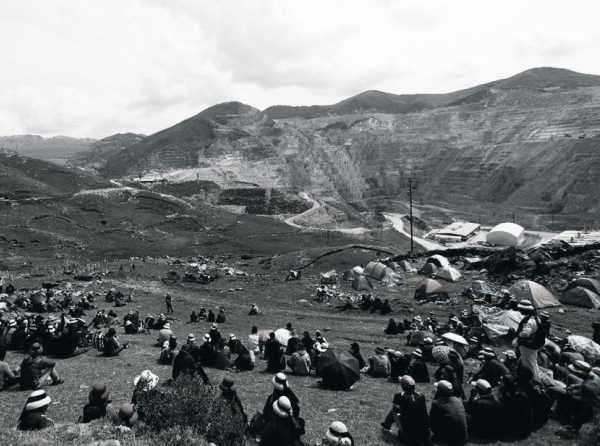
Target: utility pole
(411,215)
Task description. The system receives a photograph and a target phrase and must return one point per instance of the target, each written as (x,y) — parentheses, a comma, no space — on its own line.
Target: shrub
(187,402)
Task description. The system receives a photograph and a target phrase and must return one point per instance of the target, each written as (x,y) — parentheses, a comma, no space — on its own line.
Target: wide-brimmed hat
(36,347)
(336,432)
(191,337)
(544,315)
(282,407)
(232,337)
(417,353)
(474,340)
(526,305)
(167,326)
(149,380)
(128,413)
(279,381)
(428,341)
(407,381)
(99,392)
(444,386)
(227,384)
(509,354)
(482,385)
(379,351)
(128,323)
(580,367)
(207,337)
(36,400)
(12,323)
(213,327)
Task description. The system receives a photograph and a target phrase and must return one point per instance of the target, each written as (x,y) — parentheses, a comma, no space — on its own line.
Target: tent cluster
(374,275)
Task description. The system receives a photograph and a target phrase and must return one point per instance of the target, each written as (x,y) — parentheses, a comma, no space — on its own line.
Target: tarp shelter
(580,297)
(439,260)
(482,288)
(429,269)
(428,288)
(497,322)
(588,348)
(361,283)
(330,277)
(586,282)
(539,296)
(441,354)
(406,266)
(338,371)
(449,273)
(505,234)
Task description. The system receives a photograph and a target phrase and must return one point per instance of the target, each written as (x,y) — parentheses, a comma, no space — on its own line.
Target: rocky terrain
(523,147)
(57,149)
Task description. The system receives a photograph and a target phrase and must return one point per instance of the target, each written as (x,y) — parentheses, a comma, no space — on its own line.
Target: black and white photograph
(299,223)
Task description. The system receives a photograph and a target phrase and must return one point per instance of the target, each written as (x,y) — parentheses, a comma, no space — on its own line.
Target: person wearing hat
(484,411)
(529,338)
(210,316)
(274,354)
(379,364)
(167,354)
(448,373)
(427,349)
(164,333)
(112,346)
(355,351)
(245,358)
(409,412)
(33,414)
(572,409)
(281,429)
(184,364)
(474,347)
(207,352)
(281,388)
(492,369)
(447,416)
(254,344)
(127,416)
(215,336)
(169,303)
(99,405)
(253,310)
(417,368)
(596,332)
(299,362)
(337,435)
(510,361)
(221,316)
(35,370)
(228,407)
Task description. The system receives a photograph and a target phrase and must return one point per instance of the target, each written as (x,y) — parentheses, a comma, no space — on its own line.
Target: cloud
(91,68)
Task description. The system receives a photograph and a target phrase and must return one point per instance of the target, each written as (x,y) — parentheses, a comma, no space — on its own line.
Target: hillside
(525,145)
(99,151)
(57,149)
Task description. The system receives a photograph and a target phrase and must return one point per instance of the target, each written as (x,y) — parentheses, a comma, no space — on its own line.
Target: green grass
(362,409)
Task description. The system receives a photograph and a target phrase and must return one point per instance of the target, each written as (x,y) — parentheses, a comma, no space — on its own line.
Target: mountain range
(524,148)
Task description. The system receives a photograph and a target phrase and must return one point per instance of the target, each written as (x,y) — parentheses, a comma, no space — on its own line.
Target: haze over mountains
(527,145)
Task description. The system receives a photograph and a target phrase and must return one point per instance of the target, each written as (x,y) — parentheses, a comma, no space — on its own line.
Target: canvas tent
(449,273)
(429,269)
(539,296)
(497,322)
(361,283)
(406,266)
(580,297)
(439,260)
(587,347)
(429,288)
(586,282)
(376,270)
(505,234)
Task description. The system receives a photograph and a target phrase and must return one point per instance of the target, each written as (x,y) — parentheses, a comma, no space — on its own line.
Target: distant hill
(23,177)
(99,151)
(57,149)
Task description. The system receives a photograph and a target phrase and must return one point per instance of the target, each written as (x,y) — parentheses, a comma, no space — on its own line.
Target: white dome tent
(505,234)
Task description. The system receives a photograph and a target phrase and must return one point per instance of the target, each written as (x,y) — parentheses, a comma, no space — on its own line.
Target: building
(458,231)
(505,234)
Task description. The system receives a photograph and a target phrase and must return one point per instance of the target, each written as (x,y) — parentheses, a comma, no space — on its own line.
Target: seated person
(112,346)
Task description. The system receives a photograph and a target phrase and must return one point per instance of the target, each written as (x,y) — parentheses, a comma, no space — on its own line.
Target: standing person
(254,341)
(32,417)
(169,304)
(35,370)
(273,354)
(447,416)
(409,411)
(528,338)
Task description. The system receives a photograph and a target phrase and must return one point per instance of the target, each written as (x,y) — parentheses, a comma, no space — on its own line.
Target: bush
(187,402)
(176,414)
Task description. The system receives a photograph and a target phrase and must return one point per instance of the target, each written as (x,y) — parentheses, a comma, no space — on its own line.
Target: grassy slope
(362,409)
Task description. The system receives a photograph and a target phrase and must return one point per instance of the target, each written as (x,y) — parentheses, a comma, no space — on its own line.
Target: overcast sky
(93,68)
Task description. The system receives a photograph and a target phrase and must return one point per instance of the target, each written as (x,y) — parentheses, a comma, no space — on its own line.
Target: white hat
(191,337)
(232,337)
(128,322)
(167,326)
(279,381)
(149,379)
(525,304)
(482,385)
(444,385)
(322,347)
(36,400)
(282,407)
(337,432)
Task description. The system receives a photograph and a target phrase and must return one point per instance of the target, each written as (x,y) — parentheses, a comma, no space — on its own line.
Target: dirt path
(398,224)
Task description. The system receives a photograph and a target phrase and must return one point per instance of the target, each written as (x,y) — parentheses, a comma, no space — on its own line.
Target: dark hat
(379,351)
(227,384)
(37,348)
(99,392)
